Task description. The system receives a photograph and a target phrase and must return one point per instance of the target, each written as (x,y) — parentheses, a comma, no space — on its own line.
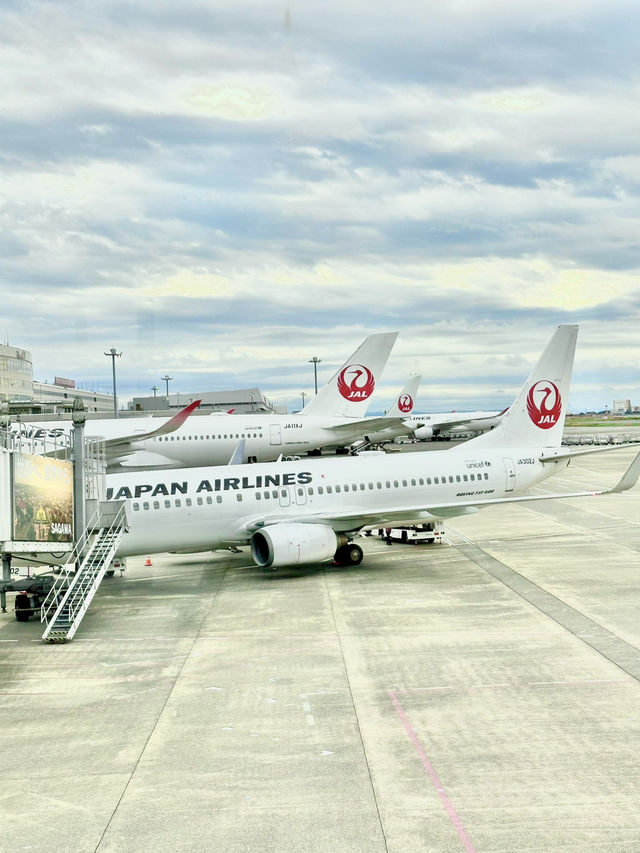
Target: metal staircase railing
(72,593)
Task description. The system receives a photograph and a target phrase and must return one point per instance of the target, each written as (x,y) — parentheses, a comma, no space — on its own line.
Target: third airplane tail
(536,418)
(347,393)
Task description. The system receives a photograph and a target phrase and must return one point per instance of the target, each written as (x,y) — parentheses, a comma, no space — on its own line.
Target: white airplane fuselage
(212,439)
(204,508)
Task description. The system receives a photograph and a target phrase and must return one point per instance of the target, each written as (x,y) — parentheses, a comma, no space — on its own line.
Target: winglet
(628,479)
(176,421)
(238,453)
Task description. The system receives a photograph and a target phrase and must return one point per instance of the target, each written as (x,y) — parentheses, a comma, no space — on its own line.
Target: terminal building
(21,395)
(241,400)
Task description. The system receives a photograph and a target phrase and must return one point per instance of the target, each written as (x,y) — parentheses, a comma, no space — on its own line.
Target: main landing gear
(348,555)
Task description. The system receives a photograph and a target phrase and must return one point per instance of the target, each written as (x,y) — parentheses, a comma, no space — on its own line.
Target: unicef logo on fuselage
(356,382)
(405,403)
(544,404)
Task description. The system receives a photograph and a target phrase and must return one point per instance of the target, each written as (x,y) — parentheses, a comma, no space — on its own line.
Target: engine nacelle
(294,544)
(423,433)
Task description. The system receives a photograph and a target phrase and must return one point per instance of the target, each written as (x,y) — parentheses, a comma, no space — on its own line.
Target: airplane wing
(567,454)
(350,519)
(126,444)
(365,425)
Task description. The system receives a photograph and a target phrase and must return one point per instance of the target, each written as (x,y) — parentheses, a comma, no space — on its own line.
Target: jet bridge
(46,494)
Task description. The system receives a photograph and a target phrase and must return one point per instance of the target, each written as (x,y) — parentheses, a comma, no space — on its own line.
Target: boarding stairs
(72,593)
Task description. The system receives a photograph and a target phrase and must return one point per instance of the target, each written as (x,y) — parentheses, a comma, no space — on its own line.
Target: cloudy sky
(224,190)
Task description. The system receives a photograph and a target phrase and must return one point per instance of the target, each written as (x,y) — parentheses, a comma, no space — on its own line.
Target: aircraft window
(190,437)
(321,490)
(388,484)
(258,496)
(178,502)
(428,481)
(450,478)
(436,481)
(188,501)
(238,496)
(363,487)
(379,484)
(404,483)
(486,476)
(207,437)
(413,482)
(465,478)
(283,492)
(145,505)
(172,438)
(329,490)
(346,487)
(338,489)
(156,504)
(275,493)
(136,506)
(199,501)
(266,495)
(167,504)
(457,478)
(301,492)
(370,485)
(209,499)
(310,490)
(225,436)
(219,498)
(237,436)
(472,476)
(395,484)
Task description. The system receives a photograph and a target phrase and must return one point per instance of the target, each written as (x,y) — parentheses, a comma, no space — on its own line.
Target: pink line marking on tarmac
(435,779)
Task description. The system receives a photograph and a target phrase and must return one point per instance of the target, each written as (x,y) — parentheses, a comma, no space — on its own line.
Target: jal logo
(405,403)
(544,404)
(356,382)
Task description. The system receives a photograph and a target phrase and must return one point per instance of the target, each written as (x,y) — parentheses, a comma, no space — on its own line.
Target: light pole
(303,395)
(113,354)
(315,361)
(167,379)
(155,389)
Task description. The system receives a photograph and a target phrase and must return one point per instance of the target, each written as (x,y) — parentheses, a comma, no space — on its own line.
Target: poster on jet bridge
(42,499)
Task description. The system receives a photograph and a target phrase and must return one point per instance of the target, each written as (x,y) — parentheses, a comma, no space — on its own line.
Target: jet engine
(294,544)
(423,433)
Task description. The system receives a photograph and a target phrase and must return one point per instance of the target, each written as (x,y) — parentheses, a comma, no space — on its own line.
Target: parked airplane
(334,418)
(449,424)
(299,513)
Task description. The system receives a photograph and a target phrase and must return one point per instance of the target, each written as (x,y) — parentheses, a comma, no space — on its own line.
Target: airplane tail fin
(406,400)
(536,418)
(347,393)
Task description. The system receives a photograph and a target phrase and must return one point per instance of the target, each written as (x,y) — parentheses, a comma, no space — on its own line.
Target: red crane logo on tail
(544,404)
(405,403)
(356,382)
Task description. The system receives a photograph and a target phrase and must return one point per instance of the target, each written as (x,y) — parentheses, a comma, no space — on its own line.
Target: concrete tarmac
(479,695)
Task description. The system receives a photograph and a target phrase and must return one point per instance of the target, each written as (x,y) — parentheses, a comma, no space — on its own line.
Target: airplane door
(284,495)
(510,471)
(300,495)
(275,434)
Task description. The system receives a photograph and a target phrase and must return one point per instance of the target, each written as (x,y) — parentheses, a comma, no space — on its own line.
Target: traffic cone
(147,562)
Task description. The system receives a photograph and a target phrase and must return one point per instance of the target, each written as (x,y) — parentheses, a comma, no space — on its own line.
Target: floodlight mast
(113,354)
